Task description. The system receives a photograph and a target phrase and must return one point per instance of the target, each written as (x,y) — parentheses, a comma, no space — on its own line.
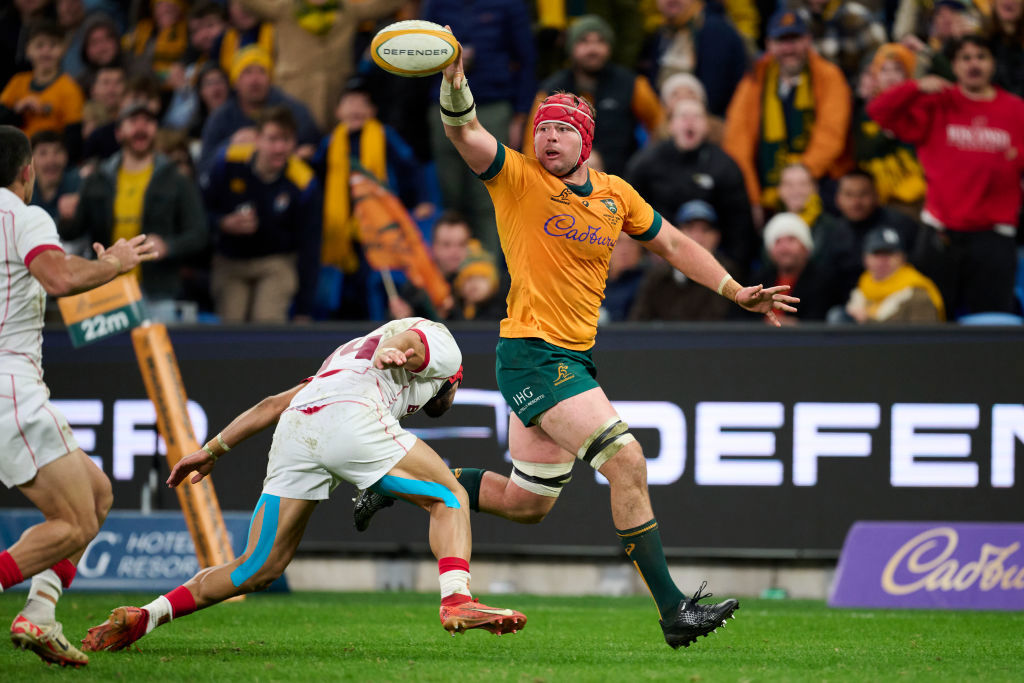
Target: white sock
(454,581)
(160,612)
(43,595)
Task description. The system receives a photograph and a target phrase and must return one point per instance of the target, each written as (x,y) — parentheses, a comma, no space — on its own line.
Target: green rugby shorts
(534,375)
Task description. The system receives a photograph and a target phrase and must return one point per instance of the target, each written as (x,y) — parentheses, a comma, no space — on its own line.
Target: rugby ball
(414,48)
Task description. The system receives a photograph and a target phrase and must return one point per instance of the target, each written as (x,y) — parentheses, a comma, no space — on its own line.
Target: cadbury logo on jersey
(564,226)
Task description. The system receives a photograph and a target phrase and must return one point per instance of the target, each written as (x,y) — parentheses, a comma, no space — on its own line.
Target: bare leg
(277,528)
(70,510)
(450,534)
(216,584)
(571,422)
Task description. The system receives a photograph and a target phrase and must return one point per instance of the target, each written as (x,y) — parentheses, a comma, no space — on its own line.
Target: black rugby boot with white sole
(691,621)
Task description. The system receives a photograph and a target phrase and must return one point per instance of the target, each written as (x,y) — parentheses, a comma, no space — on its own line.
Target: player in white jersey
(340,424)
(38,452)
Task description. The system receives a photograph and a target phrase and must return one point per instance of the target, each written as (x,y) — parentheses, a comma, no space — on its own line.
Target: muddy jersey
(348,374)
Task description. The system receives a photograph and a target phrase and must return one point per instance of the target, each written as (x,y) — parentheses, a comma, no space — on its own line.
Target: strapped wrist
(457,104)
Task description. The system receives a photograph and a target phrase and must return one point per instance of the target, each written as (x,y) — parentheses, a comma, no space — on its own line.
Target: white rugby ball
(414,48)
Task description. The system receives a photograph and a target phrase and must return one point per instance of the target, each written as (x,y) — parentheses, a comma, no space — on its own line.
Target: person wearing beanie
(558,222)
(788,244)
(234,122)
(476,287)
(622,98)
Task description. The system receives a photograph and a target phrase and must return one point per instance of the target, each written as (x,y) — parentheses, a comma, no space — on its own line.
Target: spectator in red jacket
(970,141)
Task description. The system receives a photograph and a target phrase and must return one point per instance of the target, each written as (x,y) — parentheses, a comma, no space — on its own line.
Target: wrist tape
(457,105)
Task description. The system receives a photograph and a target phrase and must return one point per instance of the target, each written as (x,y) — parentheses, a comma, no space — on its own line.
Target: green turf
(316,637)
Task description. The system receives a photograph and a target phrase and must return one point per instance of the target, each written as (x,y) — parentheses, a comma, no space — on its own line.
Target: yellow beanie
(246,57)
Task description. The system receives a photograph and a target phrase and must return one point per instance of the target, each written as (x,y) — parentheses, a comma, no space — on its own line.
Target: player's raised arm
(458,112)
(698,264)
(252,421)
(403,349)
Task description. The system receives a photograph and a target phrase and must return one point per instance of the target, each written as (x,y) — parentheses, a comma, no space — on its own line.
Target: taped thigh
(605,442)
(271,505)
(542,479)
(389,485)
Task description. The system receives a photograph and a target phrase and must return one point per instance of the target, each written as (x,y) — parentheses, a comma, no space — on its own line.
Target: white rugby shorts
(317,446)
(32,432)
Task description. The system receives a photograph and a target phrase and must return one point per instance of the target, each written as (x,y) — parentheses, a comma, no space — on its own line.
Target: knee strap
(542,479)
(388,485)
(268,532)
(605,442)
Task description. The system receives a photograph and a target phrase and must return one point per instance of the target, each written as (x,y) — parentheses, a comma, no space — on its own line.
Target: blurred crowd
(869,154)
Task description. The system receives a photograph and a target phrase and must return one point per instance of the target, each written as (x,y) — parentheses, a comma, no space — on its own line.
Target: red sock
(66,571)
(10,575)
(456,581)
(447,564)
(182,602)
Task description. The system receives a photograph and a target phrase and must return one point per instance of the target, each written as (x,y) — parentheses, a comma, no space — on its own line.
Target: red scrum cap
(564,107)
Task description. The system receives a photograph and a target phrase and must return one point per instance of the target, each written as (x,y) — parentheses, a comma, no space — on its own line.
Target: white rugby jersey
(349,374)
(27,232)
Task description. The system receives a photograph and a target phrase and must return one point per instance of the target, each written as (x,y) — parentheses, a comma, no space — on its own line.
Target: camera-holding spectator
(620,97)
(159,43)
(861,212)
(233,123)
(56,189)
(834,244)
(665,293)
(45,98)
(793,107)
(1006,36)
(788,242)
(314,47)
(140,191)
(696,38)
(970,140)
(265,210)
(381,152)
(687,166)
(844,33)
(890,290)
(243,29)
(899,178)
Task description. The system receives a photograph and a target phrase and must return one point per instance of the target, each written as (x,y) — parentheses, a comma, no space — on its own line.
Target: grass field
(317,637)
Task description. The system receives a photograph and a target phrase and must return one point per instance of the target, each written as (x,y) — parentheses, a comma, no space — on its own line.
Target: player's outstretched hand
(392,358)
(766,300)
(455,70)
(199,462)
(127,253)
